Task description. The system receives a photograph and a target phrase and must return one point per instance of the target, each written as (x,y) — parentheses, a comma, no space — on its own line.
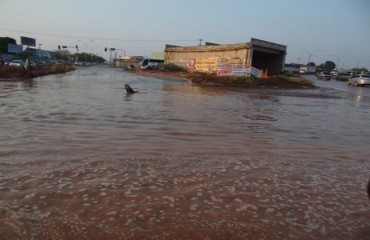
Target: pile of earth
(280,82)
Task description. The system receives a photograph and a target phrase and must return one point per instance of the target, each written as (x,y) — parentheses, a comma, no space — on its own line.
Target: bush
(342,78)
(173,68)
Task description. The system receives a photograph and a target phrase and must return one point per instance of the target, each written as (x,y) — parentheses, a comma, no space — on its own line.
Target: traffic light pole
(114,49)
(71,47)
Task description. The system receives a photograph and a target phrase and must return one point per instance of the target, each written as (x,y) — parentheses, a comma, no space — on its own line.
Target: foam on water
(121,198)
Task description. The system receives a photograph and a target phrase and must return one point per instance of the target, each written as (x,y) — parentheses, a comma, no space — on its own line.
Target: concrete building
(257,53)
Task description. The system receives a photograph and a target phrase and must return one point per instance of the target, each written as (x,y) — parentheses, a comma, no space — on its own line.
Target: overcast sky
(335,30)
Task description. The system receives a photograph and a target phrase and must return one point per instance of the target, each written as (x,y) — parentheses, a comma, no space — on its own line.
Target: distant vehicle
(359,80)
(16,63)
(334,73)
(305,69)
(149,64)
(324,76)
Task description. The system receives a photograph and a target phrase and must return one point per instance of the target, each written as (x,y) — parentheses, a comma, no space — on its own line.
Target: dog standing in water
(129,90)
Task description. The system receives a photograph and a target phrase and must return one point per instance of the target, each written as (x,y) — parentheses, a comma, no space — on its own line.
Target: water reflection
(80,159)
(12,85)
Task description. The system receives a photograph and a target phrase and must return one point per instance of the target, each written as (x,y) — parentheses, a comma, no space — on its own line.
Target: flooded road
(80,159)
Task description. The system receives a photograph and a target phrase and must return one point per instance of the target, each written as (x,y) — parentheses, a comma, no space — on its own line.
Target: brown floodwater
(80,159)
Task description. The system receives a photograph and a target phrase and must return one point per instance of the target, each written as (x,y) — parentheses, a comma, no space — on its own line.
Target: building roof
(266,44)
(224,47)
(212,47)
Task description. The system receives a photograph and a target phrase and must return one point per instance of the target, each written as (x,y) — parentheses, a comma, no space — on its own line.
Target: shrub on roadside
(173,68)
(342,78)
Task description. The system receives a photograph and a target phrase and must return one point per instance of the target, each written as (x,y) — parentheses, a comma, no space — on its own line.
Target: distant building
(126,61)
(157,55)
(292,67)
(306,69)
(259,54)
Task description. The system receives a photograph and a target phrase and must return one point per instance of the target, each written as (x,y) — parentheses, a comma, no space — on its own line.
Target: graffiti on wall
(232,67)
(206,65)
(230,61)
(215,64)
(221,66)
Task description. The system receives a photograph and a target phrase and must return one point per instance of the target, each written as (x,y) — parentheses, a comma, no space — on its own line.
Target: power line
(329,55)
(96,38)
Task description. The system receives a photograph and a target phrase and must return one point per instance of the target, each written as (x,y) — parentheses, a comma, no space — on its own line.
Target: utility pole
(311,53)
(200,41)
(113,50)
(337,66)
(60,47)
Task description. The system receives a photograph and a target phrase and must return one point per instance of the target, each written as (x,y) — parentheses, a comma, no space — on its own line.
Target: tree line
(330,65)
(82,57)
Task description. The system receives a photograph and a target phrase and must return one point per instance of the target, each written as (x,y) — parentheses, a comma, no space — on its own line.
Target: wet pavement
(81,159)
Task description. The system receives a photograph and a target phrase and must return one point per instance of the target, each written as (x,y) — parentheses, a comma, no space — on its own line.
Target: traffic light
(59,47)
(105,49)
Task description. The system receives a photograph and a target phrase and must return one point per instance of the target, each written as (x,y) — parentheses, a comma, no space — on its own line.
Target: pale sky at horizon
(335,30)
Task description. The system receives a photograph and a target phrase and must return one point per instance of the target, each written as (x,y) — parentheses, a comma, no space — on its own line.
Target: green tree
(89,57)
(4,43)
(359,70)
(312,64)
(328,65)
(62,54)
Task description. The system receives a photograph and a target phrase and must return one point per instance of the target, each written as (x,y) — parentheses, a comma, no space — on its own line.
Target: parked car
(359,80)
(324,76)
(16,63)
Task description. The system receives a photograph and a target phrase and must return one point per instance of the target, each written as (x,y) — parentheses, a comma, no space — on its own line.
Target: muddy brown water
(80,159)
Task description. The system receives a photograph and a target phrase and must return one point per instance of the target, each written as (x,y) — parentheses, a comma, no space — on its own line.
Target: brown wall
(259,54)
(185,56)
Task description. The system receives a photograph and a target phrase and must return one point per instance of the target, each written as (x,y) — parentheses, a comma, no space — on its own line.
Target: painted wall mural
(223,67)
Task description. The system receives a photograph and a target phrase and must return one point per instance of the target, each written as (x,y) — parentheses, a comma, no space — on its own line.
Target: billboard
(31,42)
(14,48)
(232,70)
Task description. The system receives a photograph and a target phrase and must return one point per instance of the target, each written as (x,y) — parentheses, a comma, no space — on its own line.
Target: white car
(359,80)
(16,63)
(324,76)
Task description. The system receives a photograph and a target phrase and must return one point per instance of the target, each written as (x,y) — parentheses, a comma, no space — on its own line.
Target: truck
(306,69)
